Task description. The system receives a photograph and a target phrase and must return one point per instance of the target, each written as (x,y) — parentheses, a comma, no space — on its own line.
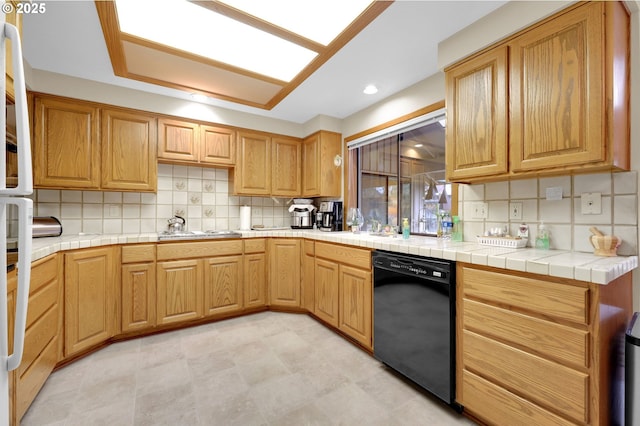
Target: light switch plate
(515,211)
(591,203)
(479,210)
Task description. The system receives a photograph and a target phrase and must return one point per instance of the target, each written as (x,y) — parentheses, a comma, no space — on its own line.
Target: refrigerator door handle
(25,212)
(25,174)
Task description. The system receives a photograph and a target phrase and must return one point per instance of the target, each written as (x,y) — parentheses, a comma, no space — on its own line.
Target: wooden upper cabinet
(286,164)
(217,145)
(477,116)
(553,98)
(66,146)
(82,145)
(252,174)
(186,142)
(320,176)
(558,115)
(129,143)
(177,140)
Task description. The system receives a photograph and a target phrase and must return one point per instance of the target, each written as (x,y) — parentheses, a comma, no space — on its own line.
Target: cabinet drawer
(539,380)
(200,249)
(42,272)
(553,299)
(309,248)
(499,406)
(38,337)
(258,245)
(30,383)
(344,255)
(141,253)
(42,300)
(551,339)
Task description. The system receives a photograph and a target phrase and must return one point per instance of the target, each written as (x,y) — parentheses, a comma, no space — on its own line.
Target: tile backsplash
(568,226)
(200,195)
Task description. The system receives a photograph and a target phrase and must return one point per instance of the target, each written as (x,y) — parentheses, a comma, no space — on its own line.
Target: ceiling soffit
(143,60)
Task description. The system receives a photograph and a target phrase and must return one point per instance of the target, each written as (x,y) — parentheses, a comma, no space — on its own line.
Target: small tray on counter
(508,242)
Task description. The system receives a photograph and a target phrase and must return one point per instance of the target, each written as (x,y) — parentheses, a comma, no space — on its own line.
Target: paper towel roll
(245,218)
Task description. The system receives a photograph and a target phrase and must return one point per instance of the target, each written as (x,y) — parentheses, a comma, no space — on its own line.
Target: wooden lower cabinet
(197,279)
(308,276)
(539,350)
(179,291)
(43,335)
(344,290)
(327,282)
(138,288)
(356,304)
(223,285)
(284,285)
(255,273)
(90,286)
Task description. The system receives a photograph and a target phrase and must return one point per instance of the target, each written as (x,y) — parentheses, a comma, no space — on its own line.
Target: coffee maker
(331,213)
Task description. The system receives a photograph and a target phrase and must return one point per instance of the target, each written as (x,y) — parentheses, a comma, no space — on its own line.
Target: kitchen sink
(190,235)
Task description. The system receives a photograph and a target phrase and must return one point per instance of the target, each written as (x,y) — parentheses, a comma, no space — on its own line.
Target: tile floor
(263,369)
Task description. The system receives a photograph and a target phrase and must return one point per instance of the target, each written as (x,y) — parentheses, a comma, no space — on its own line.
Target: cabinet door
(556,92)
(129,145)
(286,165)
(66,147)
(138,296)
(327,279)
(310,171)
(477,117)
(285,272)
(178,140)
(179,291)
(356,304)
(252,174)
(90,308)
(308,276)
(217,146)
(222,285)
(255,280)
(321,177)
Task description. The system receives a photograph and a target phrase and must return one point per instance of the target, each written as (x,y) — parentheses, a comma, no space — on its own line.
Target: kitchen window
(401,173)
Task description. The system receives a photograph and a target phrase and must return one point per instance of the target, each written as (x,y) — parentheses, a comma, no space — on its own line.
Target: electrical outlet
(479,210)
(515,211)
(591,203)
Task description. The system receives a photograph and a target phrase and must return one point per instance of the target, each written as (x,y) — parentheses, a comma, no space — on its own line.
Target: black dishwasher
(414,319)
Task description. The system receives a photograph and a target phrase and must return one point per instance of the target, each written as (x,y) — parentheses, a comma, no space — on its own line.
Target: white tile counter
(556,263)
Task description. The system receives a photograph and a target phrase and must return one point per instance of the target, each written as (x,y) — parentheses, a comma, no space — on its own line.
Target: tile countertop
(557,263)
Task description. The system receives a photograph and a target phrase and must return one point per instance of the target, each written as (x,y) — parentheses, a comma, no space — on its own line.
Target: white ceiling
(394,52)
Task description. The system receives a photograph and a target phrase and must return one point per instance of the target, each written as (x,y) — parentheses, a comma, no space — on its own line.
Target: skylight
(189,27)
(317,20)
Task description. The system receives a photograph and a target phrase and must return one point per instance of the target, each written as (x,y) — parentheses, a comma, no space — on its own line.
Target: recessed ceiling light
(198,97)
(418,145)
(370,89)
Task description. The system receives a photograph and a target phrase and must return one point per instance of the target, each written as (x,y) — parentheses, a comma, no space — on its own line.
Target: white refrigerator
(14,199)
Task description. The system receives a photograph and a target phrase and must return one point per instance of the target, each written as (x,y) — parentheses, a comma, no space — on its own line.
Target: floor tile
(266,369)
